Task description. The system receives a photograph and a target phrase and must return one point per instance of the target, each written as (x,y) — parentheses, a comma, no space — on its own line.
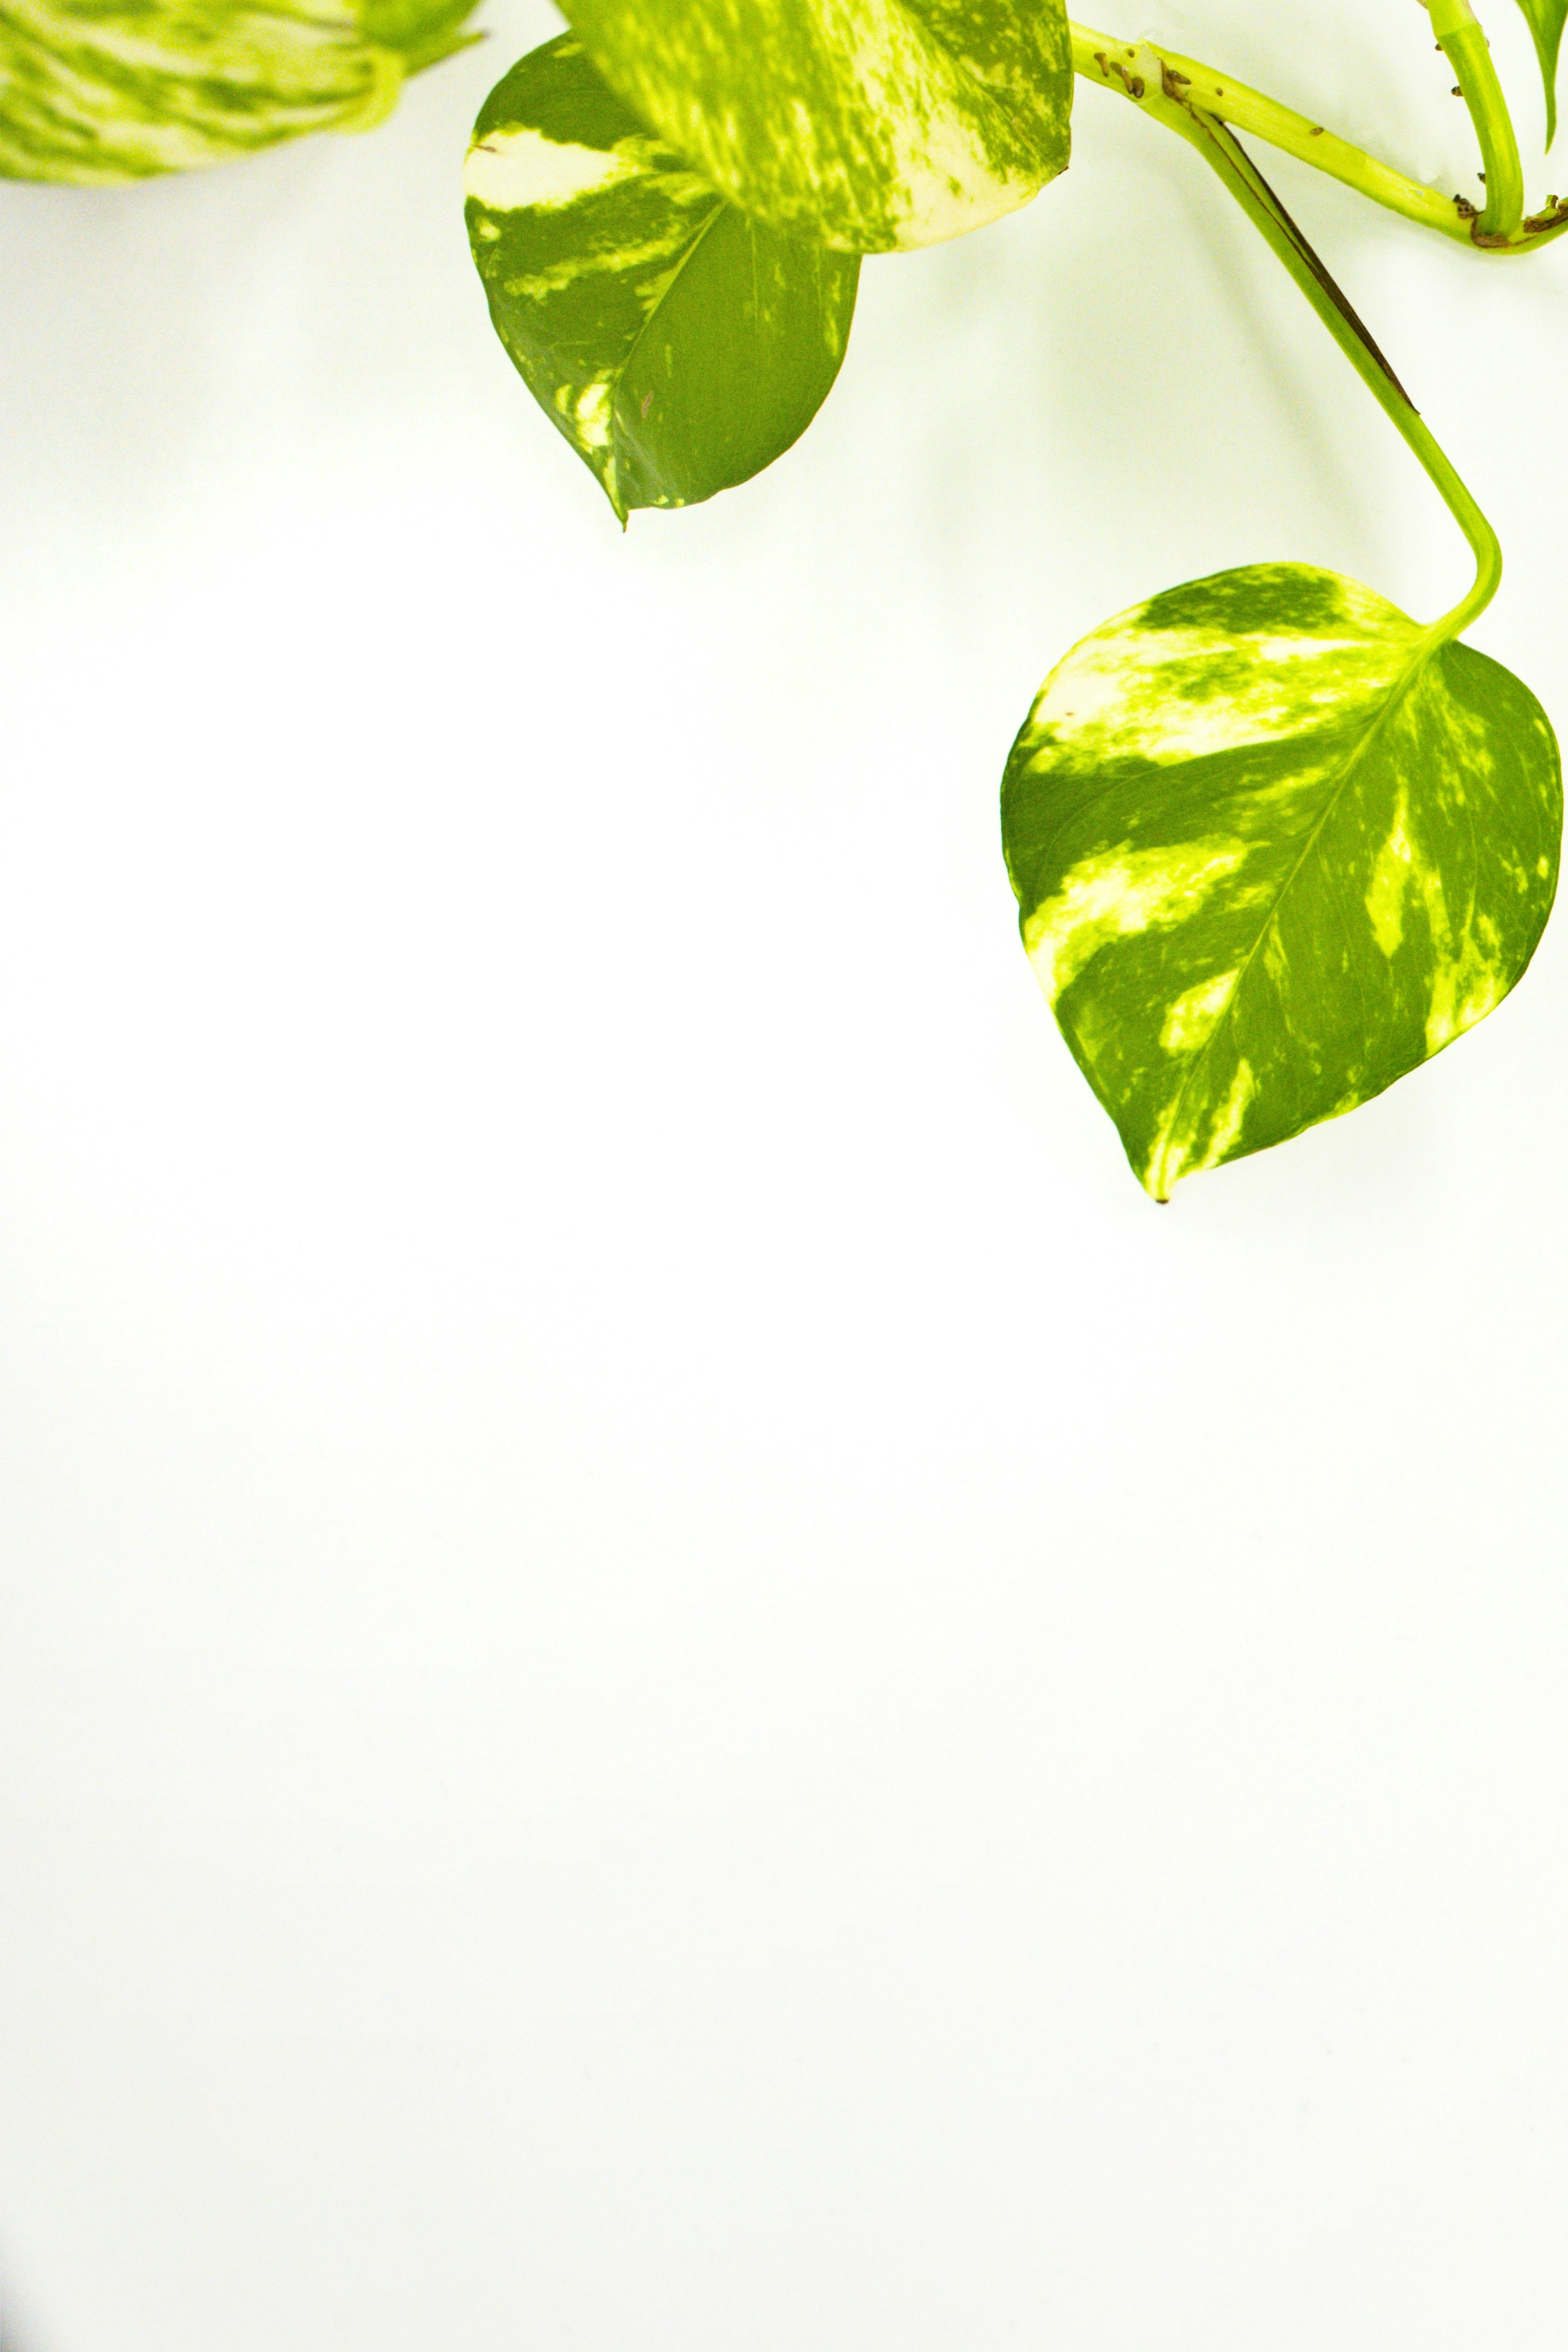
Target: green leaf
(1274,845)
(1546,19)
(422,32)
(94,93)
(679,345)
(870,124)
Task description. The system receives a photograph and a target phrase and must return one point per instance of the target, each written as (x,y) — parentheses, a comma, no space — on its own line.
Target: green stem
(1258,200)
(1464,45)
(1141,73)
(1096,55)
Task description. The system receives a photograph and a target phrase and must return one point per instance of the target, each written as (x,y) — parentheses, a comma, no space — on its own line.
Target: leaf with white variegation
(1546,19)
(679,345)
(870,124)
(1274,845)
(94,93)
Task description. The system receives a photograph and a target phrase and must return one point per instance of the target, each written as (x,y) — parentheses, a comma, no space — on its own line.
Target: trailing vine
(1274,843)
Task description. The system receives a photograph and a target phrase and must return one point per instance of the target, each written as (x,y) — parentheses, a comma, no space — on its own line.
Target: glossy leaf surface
(1273,846)
(677,344)
(90,94)
(1546,19)
(869,124)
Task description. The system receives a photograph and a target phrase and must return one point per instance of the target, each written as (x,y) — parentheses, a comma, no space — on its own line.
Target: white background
(672,1677)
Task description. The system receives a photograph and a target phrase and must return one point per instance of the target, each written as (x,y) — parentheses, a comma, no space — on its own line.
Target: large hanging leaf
(1274,845)
(677,344)
(1546,19)
(870,124)
(92,93)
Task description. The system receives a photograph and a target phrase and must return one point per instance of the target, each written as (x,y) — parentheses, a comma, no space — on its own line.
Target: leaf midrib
(721,206)
(1425,650)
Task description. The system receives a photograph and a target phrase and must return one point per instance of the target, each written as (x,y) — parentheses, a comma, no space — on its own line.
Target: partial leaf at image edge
(871,125)
(679,345)
(1273,846)
(421,32)
(95,95)
(1546,19)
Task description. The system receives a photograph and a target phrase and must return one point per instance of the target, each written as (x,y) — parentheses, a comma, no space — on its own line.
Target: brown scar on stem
(1132,83)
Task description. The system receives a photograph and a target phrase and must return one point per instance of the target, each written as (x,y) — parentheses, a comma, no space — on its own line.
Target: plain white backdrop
(672,1677)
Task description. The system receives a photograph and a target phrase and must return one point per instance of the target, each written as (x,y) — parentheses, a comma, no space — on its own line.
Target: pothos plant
(1274,842)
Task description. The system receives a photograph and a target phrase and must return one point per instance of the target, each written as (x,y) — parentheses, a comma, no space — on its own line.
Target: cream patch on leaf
(1128,691)
(1193,1016)
(594,410)
(517,171)
(949,187)
(1117,893)
(1391,873)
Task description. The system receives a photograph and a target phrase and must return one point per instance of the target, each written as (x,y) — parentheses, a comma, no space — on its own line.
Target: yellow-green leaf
(94,93)
(677,344)
(869,124)
(1546,19)
(1274,845)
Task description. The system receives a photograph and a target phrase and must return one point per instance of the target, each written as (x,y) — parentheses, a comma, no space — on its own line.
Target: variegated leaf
(1274,845)
(680,345)
(92,93)
(1546,19)
(870,124)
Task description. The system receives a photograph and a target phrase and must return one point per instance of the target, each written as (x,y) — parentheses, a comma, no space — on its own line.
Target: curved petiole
(1145,78)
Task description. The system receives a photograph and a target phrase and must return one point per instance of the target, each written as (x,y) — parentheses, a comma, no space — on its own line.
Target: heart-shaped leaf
(677,344)
(1274,845)
(92,93)
(870,124)
(1546,19)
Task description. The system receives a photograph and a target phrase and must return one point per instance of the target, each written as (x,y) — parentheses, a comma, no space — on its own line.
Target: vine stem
(1144,77)
(1465,46)
(1229,100)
